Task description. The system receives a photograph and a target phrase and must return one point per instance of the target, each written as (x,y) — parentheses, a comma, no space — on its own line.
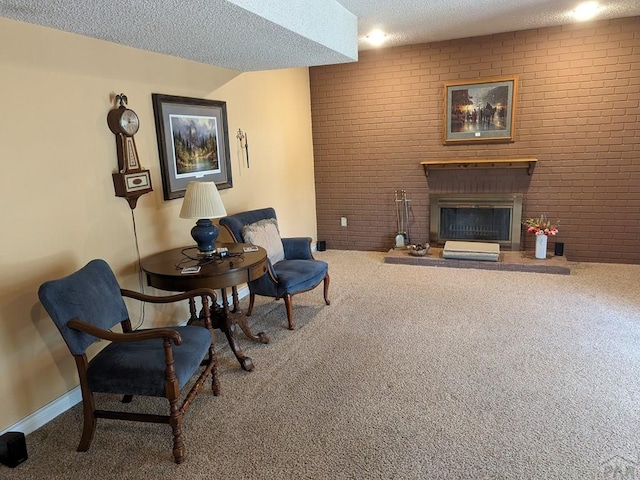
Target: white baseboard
(63,403)
(47,413)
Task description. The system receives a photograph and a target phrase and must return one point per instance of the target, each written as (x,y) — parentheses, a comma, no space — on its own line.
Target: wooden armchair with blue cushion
(156,362)
(292,268)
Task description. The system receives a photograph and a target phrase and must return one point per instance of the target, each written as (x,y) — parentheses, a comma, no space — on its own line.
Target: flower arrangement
(541,226)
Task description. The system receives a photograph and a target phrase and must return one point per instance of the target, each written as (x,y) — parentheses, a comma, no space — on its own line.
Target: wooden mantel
(528,163)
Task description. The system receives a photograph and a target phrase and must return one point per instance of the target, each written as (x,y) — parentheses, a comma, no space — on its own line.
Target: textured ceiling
(250,35)
(243,35)
(418,21)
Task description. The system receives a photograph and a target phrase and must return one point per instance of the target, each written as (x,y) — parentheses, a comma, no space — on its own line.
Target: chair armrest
(191,294)
(165,333)
(271,272)
(198,292)
(297,248)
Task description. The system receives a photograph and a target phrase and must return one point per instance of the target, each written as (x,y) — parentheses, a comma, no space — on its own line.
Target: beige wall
(59,209)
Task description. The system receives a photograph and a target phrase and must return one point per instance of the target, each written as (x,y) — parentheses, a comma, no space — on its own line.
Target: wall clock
(131,181)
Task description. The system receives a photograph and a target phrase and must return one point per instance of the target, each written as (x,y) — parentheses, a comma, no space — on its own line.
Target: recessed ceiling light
(586,11)
(376,37)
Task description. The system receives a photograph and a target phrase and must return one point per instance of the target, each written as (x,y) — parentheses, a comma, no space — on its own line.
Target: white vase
(541,246)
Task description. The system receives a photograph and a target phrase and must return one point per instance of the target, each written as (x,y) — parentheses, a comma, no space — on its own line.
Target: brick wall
(578,113)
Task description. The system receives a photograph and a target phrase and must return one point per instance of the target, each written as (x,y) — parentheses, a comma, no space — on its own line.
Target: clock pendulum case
(131,181)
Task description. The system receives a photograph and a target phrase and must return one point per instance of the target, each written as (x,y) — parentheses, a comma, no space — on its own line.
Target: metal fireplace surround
(484,217)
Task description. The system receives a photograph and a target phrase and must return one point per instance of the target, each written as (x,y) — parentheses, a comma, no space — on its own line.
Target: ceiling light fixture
(586,11)
(376,37)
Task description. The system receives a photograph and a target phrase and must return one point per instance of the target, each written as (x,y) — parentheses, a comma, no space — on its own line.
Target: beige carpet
(411,373)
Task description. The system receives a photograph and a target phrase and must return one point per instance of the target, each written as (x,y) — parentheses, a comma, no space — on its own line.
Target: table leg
(243,322)
(244,325)
(206,312)
(236,300)
(231,332)
(193,312)
(228,324)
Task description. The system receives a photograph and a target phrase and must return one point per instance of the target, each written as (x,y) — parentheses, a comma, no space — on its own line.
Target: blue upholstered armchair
(156,362)
(292,268)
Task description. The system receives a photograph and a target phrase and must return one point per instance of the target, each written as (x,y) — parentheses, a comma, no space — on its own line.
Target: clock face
(129,122)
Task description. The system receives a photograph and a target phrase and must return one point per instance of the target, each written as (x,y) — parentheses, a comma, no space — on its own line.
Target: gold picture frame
(480,111)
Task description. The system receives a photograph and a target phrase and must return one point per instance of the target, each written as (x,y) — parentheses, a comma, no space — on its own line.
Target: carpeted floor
(411,373)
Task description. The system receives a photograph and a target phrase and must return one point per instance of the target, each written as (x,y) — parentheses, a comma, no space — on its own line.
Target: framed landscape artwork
(193,142)
(480,110)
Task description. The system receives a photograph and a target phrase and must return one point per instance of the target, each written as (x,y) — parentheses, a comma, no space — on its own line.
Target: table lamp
(202,201)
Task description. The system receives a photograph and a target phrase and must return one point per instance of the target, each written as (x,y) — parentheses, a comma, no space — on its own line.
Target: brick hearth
(520,261)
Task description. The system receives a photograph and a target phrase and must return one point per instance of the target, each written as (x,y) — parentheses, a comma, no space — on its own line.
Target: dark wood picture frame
(193,142)
(480,111)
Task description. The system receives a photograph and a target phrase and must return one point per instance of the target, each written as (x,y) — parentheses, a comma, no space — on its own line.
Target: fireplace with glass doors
(493,218)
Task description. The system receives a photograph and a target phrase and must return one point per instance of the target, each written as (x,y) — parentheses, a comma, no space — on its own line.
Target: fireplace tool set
(402,216)
(403,237)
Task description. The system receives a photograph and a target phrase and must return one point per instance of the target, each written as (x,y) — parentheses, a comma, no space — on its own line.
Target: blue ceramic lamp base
(205,234)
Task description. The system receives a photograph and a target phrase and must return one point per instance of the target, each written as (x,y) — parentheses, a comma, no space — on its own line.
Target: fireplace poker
(401,234)
(405,201)
(399,238)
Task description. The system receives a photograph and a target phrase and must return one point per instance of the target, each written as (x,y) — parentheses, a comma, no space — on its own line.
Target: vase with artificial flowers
(541,227)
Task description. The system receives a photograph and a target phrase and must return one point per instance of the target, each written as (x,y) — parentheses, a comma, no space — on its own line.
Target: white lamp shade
(202,200)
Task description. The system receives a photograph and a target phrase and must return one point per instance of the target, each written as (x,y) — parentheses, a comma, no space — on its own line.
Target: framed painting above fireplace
(480,110)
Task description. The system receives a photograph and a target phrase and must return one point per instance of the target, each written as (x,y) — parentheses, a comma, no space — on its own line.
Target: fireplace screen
(476,217)
(486,224)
